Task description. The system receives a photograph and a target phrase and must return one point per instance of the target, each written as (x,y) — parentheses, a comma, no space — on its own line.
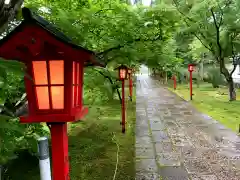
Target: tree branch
(221,16)
(217,34)
(190,19)
(111,81)
(233,56)
(209,48)
(128,42)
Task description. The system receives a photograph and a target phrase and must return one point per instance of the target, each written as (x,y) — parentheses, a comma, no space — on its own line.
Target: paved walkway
(175,142)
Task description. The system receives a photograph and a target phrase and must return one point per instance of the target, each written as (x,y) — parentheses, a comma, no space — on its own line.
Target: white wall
(236,73)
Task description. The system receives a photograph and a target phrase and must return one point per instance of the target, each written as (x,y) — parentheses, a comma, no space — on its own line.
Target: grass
(92,148)
(213,102)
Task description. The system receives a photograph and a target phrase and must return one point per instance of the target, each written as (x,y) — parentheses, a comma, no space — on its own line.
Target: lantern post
(174,82)
(54,91)
(190,69)
(122,74)
(130,83)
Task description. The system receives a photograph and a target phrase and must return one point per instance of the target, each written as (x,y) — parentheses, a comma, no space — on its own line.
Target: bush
(182,74)
(215,77)
(206,78)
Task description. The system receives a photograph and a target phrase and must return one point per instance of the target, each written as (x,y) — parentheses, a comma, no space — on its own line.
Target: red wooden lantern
(55,65)
(54,91)
(191,67)
(122,72)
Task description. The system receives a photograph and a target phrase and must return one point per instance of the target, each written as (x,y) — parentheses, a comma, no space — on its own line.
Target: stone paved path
(175,142)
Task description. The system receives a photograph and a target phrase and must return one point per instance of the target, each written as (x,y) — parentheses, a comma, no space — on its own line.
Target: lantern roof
(31,18)
(192,64)
(121,67)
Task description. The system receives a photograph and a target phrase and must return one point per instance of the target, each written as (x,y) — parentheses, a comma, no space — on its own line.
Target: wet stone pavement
(175,142)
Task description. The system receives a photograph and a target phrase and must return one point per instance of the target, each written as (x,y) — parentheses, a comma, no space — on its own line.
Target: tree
(214,24)
(200,55)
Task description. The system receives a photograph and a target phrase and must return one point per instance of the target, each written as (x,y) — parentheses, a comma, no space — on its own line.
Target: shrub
(215,77)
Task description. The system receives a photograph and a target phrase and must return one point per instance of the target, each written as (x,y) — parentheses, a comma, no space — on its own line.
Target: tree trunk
(228,77)
(201,70)
(232,92)
(166,77)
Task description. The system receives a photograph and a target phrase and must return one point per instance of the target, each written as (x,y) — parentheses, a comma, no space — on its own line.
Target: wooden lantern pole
(190,69)
(130,86)
(60,160)
(123,107)
(190,85)
(174,82)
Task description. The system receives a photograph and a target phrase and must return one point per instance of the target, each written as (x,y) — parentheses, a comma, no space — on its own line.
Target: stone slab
(173,173)
(145,152)
(169,159)
(147,176)
(146,165)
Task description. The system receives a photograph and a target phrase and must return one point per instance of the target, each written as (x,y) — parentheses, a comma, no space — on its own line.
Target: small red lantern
(191,67)
(122,72)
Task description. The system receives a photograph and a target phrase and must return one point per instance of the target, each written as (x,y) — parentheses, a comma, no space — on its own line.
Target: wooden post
(191,85)
(123,108)
(60,151)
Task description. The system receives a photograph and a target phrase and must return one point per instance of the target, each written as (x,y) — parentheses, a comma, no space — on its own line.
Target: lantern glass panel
(77,76)
(73,96)
(76,84)
(77,94)
(56,72)
(42,97)
(40,72)
(122,73)
(74,72)
(57,93)
(80,74)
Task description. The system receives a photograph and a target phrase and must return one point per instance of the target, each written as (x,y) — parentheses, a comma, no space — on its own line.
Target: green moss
(213,102)
(92,149)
